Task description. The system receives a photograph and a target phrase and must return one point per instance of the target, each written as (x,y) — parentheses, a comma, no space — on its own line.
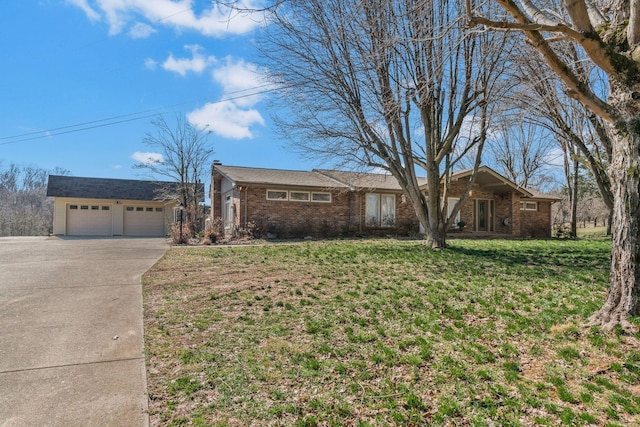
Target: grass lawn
(384,332)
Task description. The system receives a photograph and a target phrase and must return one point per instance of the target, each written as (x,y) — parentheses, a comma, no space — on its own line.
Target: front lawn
(384,332)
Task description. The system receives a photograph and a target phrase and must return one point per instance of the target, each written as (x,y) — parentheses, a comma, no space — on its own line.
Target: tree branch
(576,88)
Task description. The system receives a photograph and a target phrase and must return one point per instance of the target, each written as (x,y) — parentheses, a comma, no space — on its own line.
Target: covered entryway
(147,221)
(89,220)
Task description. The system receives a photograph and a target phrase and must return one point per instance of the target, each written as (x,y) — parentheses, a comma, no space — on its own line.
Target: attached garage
(112,207)
(146,221)
(89,220)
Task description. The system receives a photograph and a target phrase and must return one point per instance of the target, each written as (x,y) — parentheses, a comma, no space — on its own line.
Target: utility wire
(110,121)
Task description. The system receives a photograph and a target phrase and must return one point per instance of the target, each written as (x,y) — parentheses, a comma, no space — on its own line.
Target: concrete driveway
(71,334)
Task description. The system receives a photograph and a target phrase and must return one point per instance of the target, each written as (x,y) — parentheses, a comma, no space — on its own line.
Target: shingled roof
(106,188)
(244,175)
(367,180)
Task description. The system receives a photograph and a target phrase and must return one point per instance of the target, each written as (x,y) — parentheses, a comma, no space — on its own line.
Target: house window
(528,206)
(321,197)
(276,195)
(380,210)
(451,202)
(299,196)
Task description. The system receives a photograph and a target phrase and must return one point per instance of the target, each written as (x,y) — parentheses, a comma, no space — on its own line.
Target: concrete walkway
(71,334)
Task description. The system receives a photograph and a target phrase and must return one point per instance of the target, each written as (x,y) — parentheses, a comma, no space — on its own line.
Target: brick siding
(345,215)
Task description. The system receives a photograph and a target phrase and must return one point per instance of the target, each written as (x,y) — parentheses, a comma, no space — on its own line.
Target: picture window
(380,210)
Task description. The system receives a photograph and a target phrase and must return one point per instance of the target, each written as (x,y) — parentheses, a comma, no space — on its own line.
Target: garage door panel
(89,220)
(147,221)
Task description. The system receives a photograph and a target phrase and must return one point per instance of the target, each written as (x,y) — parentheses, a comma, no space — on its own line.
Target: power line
(114,120)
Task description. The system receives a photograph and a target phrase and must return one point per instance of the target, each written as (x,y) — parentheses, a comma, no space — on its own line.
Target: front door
(484,215)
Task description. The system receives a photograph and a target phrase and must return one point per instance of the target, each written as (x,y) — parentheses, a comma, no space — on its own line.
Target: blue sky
(82,79)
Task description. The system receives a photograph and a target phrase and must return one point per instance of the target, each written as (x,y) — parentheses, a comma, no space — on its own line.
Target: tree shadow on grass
(548,255)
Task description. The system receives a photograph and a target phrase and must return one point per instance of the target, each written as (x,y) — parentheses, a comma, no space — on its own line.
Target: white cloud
(226,119)
(141,31)
(215,21)
(88,10)
(150,63)
(116,167)
(197,63)
(147,158)
(236,76)
(233,117)
(555,158)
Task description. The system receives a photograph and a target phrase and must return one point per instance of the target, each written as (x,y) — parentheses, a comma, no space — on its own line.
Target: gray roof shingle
(107,188)
(364,180)
(246,175)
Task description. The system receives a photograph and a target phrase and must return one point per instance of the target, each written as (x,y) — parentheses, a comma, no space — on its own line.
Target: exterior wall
(117,212)
(286,219)
(536,223)
(406,219)
(346,214)
(215,195)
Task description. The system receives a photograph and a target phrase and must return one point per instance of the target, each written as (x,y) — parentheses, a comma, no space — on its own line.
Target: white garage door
(144,221)
(89,220)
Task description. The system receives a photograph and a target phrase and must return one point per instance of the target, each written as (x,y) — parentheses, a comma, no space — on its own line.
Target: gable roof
(244,175)
(364,180)
(487,177)
(106,188)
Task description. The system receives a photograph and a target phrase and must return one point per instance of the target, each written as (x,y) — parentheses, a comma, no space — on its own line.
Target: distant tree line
(25,209)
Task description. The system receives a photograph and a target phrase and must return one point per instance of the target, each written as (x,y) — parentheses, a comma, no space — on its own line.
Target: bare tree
(393,85)
(544,102)
(521,151)
(609,35)
(185,159)
(25,209)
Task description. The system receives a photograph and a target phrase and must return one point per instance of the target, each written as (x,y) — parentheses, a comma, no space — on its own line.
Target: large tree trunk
(625,253)
(435,233)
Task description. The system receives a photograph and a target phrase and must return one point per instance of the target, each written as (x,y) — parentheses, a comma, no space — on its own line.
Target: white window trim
(524,207)
(278,199)
(310,194)
(291,199)
(313,193)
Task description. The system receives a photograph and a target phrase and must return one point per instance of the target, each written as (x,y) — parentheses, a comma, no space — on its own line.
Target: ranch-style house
(328,203)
